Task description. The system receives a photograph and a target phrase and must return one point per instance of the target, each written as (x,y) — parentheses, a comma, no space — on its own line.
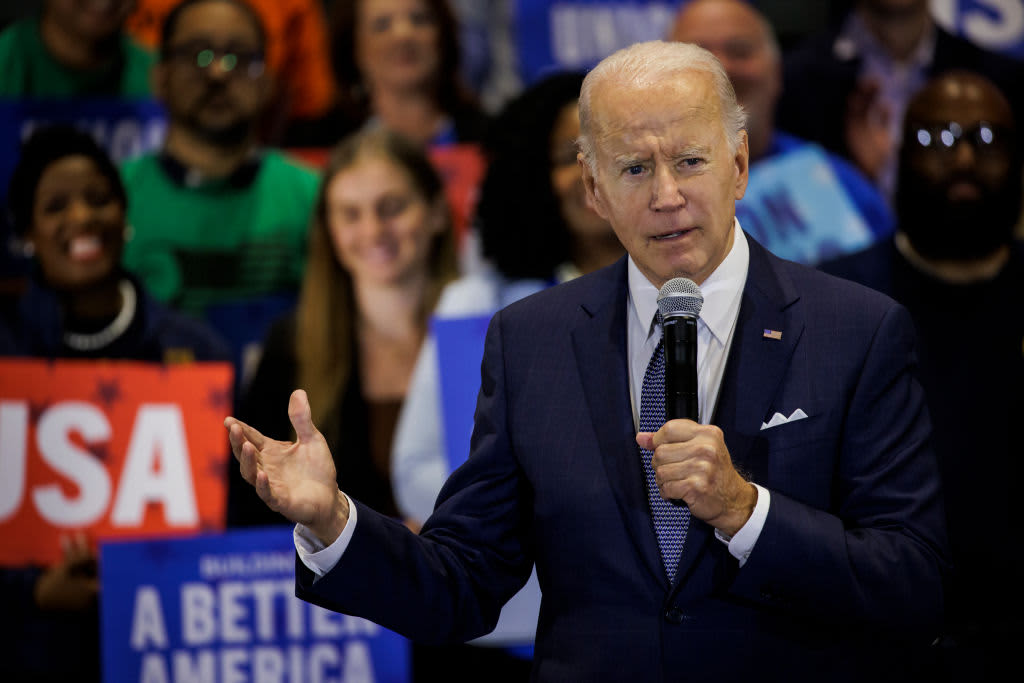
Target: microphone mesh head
(680,296)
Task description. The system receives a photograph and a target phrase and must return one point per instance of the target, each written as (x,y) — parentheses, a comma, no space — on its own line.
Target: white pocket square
(780,419)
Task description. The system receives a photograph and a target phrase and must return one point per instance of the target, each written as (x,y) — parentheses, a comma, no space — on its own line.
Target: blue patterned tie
(670,521)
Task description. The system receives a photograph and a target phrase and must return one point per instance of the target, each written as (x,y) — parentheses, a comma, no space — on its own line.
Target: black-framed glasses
(202,58)
(986,138)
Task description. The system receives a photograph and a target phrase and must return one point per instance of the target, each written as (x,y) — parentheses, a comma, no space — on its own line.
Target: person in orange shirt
(297,53)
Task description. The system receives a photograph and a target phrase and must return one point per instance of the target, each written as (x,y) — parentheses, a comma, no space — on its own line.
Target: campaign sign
(996,25)
(577,34)
(221,608)
(796,207)
(460,348)
(109,448)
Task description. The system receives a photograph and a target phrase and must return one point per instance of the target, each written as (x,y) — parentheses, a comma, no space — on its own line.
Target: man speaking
(795,534)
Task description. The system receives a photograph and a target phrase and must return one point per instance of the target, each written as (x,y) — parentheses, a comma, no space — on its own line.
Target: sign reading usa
(111,448)
(221,608)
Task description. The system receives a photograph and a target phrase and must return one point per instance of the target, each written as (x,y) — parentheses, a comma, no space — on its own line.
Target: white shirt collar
(721,290)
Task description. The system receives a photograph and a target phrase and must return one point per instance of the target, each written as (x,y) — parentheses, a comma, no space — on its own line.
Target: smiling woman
(68,208)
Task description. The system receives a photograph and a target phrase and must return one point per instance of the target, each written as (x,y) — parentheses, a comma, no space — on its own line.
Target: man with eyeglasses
(955,264)
(219,222)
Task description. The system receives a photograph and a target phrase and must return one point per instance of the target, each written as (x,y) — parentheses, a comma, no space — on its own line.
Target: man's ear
(594,198)
(742,161)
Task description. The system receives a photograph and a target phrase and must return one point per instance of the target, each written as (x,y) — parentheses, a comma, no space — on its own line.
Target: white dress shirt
(722,291)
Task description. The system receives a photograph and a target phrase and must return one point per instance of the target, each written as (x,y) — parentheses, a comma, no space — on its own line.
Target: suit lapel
(757,362)
(599,343)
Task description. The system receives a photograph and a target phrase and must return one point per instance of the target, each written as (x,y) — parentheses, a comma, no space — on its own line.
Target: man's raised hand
(297,479)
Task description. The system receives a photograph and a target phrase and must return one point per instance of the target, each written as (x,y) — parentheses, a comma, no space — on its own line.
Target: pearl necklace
(117,327)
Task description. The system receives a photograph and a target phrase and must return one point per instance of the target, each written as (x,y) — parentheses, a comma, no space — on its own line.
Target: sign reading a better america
(221,608)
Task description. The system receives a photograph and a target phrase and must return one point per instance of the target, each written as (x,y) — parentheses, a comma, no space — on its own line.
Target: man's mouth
(672,235)
(85,248)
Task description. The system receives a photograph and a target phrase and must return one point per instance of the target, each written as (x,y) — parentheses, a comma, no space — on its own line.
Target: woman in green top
(72,50)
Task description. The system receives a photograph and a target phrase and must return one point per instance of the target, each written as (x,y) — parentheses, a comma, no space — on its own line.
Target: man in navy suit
(814,543)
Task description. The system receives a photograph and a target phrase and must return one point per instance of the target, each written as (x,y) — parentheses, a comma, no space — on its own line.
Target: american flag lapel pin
(773,334)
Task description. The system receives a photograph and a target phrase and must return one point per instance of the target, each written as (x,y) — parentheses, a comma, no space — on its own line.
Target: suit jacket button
(674,616)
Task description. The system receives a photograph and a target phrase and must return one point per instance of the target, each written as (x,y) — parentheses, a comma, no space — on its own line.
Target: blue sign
(797,208)
(566,35)
(222,609)
(996,25)
(460,348)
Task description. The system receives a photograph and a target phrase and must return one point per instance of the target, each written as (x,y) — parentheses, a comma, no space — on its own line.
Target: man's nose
(964,154)
(79,210)
(373,226)
(666,194)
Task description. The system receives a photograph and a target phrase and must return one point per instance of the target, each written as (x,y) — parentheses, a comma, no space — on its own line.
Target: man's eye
(55,204)
(692,162)
(635,169)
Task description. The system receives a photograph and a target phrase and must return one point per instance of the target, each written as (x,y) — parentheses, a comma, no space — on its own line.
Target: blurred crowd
(272,183)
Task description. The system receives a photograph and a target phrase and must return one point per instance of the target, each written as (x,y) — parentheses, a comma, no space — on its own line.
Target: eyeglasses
(987,139)
(201,58)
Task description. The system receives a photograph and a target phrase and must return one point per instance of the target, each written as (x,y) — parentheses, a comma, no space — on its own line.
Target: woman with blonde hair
(381,248)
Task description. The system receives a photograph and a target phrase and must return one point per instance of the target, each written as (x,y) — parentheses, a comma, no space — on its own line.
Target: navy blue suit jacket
(852,550)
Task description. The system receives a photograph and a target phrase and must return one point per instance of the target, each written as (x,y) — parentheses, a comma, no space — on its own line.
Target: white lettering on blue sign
(213,567)
(320,663)
(584,34)
(993,24)
(148,628)
(122,138)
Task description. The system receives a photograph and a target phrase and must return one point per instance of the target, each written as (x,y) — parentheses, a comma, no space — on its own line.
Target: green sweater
(27,69)
(220,241)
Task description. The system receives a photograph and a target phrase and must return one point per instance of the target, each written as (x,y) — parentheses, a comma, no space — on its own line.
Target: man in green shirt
(73,51)
(218,221)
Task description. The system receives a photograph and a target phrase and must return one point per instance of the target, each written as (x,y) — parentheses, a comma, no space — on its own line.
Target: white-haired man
(807,566)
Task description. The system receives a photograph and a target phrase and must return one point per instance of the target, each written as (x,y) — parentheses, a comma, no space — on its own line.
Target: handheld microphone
(680,301)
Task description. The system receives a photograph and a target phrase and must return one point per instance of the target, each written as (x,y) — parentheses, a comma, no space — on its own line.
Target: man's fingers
(262,485)
(243,433)
(301,417)
(247,462)
(645,440)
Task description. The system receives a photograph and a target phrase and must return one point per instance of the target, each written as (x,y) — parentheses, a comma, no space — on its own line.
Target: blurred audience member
(848,88)
(397,66)
(297,55)
(955,264)
(68,206)
(536,230)
(381,248)
(855,212)
(74,48)
(219,223)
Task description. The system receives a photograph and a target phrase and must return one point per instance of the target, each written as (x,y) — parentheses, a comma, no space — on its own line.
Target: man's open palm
(297,479)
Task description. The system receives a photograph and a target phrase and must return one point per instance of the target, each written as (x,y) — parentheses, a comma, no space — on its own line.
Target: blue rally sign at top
(560,35)
(563,35)
(222,609)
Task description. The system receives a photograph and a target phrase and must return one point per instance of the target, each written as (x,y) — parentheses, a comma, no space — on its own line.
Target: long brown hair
(325,330)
